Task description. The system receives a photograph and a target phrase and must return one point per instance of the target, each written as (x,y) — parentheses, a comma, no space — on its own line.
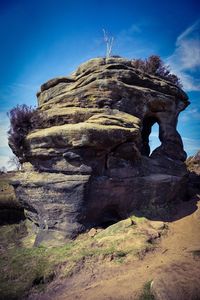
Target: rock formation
(193,166)
(89,162)
(10,209)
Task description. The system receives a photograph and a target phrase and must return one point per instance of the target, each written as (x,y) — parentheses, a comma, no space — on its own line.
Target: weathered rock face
(193,166)
(10,209)
(89,154)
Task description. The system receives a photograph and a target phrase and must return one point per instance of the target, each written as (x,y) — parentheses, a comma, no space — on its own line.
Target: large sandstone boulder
(88,156)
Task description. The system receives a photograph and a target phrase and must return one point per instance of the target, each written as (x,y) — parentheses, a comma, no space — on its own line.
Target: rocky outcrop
(193,163)
(88,156)
(193,166)
(10,208)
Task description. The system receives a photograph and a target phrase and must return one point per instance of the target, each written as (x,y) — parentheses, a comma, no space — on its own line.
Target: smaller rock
(27,167)
(158,225)
(92,232)
(153,235)
(132,222)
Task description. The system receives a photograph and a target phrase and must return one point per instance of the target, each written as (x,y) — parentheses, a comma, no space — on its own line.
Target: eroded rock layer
(88,156)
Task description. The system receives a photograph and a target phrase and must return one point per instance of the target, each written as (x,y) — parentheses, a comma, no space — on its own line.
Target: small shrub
(20,125)
(146,293)
(155,66)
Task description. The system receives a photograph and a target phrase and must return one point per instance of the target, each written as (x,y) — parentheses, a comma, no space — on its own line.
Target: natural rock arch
(147,125)
(88,158)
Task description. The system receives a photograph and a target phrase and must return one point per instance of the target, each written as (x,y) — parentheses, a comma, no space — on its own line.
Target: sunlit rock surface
(89,162)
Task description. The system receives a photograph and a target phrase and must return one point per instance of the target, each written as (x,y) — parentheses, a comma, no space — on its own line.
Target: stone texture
(89,152)
(10,208)
(193,166)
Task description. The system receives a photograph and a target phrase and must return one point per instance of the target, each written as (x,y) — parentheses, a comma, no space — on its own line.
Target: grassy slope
(24,266)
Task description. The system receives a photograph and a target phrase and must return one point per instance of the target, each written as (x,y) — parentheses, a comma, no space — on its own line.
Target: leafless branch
(109,43)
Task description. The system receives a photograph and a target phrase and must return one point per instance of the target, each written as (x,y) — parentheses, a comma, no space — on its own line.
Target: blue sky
(45,39)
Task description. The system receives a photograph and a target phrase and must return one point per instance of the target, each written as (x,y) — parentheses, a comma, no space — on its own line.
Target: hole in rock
(154,141)
(109,217)
(43,279)
(11,216)
(150,135)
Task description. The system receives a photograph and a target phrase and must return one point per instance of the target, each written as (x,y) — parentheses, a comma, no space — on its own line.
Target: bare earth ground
(173,267)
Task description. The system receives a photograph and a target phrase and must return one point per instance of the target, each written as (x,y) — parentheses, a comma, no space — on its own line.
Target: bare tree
(14,162)
(109,43)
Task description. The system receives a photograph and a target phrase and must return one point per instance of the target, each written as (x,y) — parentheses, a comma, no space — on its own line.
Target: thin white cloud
(17,93)
(193,113)
(4,162)
(128,41)
(191,30)
(3,138)
(128,34)
(5,151)
(185,61)
(4,126)
(191,146)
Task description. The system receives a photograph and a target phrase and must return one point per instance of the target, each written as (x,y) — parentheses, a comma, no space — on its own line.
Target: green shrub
(146,292)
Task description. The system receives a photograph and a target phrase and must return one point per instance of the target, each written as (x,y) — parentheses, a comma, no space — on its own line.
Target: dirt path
(104,280)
